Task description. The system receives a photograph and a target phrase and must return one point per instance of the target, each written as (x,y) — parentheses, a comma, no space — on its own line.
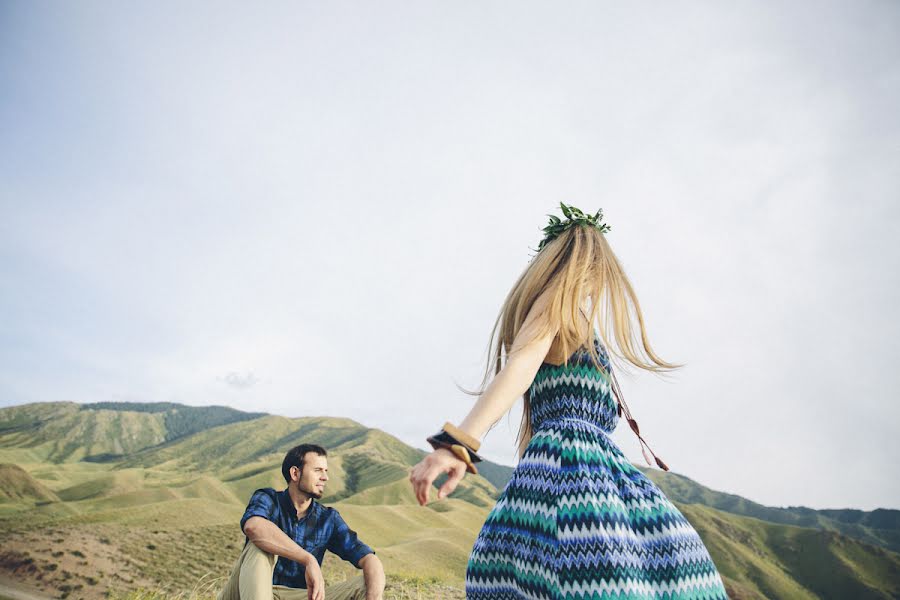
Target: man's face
(315,473)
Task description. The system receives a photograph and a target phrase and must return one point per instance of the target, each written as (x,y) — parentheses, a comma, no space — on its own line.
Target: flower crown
(574,216)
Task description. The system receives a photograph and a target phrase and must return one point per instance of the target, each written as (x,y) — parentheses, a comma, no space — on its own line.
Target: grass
(205,588)
(166,543)
(396,588)
(163,522)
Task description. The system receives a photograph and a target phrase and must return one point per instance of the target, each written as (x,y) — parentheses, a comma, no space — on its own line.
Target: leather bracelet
(461,444)
(464,438)
(459,451)
(456,435)
(445,439)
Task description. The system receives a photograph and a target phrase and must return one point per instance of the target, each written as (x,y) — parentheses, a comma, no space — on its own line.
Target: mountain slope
(16,485)
(66,432)
(880,527)
(783,561)
(245,455)
(165,505)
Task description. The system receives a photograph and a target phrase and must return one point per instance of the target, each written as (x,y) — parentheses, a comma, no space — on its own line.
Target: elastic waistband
(585,422)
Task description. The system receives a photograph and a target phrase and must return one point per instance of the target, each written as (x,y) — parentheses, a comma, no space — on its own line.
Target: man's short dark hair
(295,456)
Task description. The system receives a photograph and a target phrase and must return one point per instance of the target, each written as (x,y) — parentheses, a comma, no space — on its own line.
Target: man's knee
(255,579)
(351,589)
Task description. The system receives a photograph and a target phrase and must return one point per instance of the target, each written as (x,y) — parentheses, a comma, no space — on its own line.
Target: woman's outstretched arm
(528,351)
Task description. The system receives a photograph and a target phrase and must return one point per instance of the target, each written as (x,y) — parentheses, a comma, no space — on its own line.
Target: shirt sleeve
(262,504)
(344,543)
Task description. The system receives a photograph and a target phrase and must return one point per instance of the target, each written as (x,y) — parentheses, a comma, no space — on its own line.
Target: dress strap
(623,408)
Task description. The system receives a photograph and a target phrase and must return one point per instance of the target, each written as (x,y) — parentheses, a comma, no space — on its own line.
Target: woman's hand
(428,469)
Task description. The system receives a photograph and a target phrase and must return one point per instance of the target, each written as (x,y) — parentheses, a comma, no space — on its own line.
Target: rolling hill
(117,496)
(880,527)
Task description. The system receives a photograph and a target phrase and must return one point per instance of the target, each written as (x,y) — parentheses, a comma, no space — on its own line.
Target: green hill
(180,420)
(66,431)
(16,485)
(770,560)
(117,496)
(880,527)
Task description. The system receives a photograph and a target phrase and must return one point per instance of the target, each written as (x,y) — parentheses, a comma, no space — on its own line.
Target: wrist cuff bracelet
(463,451)
(464,438)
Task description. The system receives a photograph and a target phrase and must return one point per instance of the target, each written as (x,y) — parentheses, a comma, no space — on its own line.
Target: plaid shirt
(320,529)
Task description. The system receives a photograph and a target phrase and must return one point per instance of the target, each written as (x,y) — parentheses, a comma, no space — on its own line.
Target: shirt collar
(287,505)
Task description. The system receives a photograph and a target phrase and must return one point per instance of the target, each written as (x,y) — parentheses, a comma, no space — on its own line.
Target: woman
(576,520)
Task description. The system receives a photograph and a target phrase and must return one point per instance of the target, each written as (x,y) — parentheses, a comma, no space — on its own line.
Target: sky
(316,208)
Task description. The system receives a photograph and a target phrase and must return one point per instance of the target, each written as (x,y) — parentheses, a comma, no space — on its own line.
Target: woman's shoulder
(557,355)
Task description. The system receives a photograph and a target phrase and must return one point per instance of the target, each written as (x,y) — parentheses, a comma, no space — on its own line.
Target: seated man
(292,526)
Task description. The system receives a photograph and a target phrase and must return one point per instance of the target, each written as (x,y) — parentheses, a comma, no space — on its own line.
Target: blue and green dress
(577,520)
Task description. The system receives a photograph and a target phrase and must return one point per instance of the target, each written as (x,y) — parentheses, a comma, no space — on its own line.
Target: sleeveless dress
(577,520)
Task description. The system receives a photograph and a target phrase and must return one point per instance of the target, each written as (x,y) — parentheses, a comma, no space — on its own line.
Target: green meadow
(142,501)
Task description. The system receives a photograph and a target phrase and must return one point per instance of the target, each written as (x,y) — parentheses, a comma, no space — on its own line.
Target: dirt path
(15,593)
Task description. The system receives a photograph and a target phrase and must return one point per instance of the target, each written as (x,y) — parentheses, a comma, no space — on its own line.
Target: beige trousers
(251,579)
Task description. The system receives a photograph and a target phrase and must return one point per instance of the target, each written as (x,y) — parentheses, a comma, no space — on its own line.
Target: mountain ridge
(190,489)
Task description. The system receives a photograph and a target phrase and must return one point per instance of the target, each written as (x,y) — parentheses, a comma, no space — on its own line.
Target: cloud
(240,381)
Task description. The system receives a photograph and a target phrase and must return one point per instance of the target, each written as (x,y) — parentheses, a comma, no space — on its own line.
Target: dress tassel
(622,408)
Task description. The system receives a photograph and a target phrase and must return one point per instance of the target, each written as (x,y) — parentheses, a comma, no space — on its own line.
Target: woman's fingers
(418,478)
(423,494)
(422,489)
(426,479)
(415,484)
(456,474)
(423,475)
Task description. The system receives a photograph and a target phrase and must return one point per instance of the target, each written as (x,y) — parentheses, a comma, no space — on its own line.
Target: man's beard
(313,493)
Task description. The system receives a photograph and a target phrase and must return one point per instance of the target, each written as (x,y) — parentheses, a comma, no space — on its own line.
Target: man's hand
(428,469)
(315,583)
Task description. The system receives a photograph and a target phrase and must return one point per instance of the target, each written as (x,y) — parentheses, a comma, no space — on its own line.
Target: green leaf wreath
(574,216)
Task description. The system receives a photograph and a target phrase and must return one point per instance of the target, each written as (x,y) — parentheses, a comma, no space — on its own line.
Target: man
(287,535)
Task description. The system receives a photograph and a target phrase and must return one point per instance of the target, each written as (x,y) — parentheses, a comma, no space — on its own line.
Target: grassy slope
(187,494)
(66,433)
(879,527)
(248,455)
(784,561)
(17,486)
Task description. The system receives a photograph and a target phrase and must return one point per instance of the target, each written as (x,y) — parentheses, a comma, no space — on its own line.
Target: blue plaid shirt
(320,529)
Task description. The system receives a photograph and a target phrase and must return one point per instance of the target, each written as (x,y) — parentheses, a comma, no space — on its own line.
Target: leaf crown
(574,216)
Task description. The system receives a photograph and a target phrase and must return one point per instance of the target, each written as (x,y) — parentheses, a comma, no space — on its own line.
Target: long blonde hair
(577,265)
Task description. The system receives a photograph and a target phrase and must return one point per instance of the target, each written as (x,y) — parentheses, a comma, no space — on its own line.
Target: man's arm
(345,543)
(268,537)
(373,573)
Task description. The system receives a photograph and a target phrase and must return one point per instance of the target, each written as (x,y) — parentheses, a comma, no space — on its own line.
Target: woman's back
(576,389)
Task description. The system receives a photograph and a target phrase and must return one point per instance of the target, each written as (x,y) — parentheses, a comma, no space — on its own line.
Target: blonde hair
(577,265)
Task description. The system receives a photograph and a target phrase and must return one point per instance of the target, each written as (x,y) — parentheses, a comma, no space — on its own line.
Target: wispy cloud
(240,381)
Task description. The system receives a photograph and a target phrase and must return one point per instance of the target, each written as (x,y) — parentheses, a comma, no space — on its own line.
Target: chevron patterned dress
(577,520)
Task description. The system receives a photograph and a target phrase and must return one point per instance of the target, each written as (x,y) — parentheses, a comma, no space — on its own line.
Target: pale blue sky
(317,208)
